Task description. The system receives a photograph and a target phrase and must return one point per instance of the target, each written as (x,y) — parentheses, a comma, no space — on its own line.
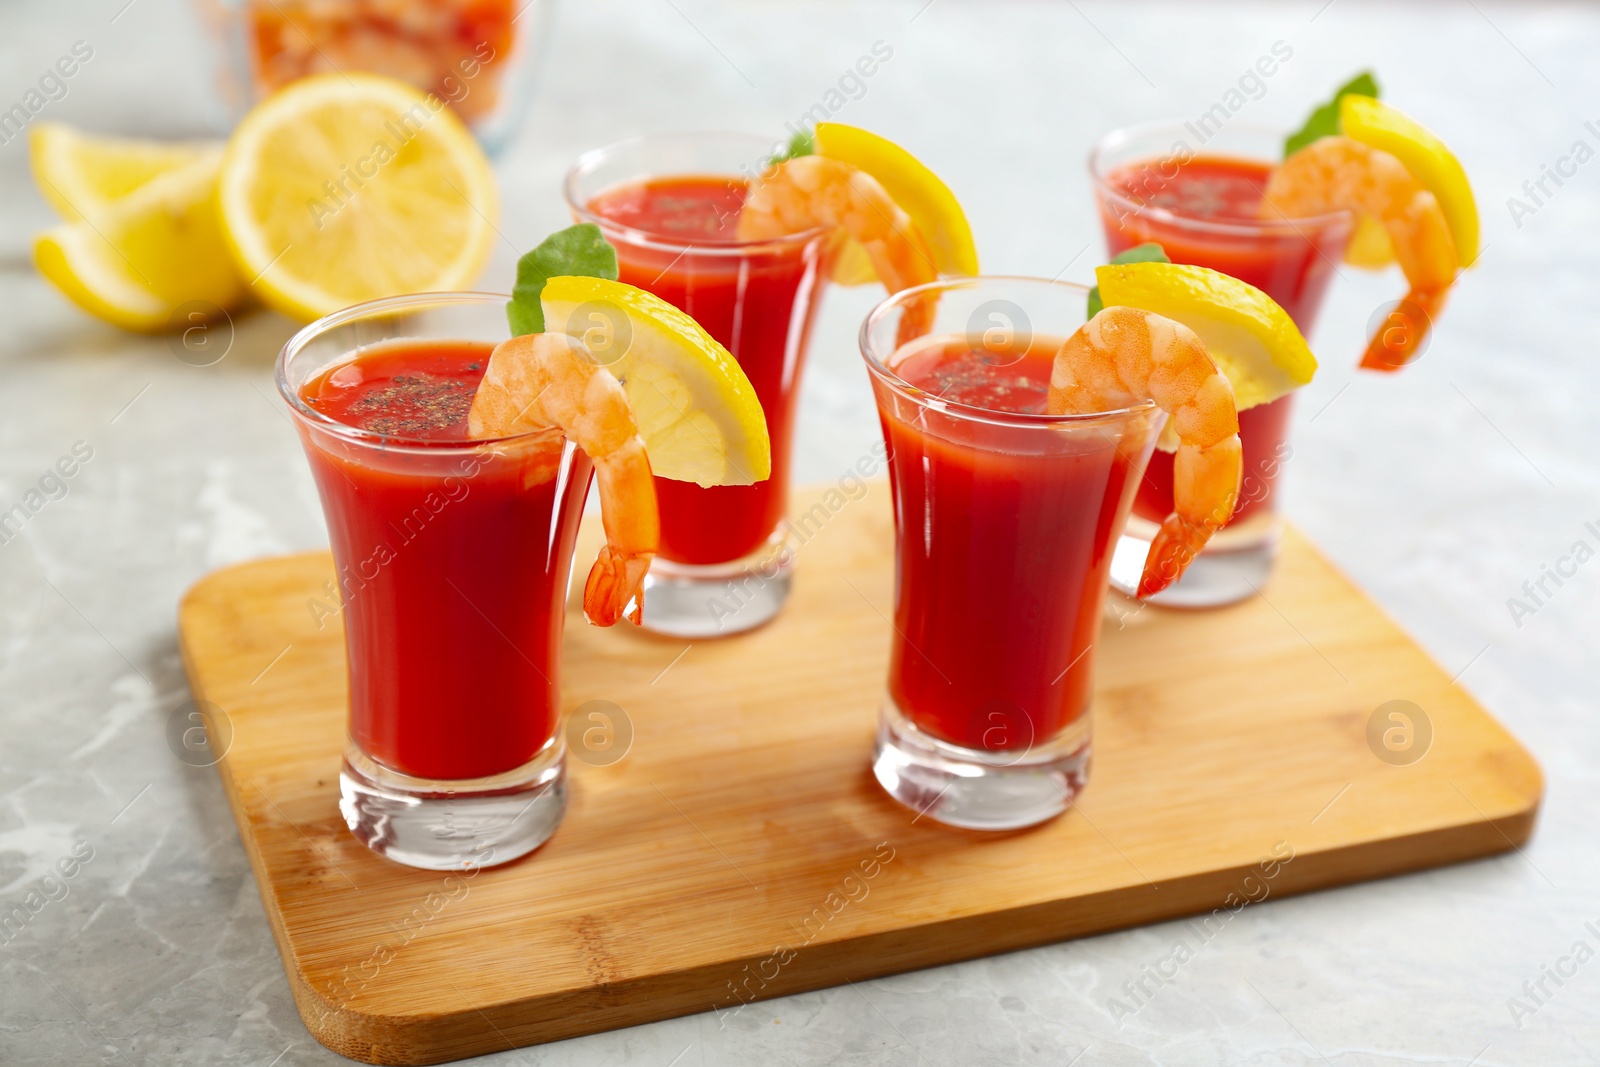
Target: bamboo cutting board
(742,850)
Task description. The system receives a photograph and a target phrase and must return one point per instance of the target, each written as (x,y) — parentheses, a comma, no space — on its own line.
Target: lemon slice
(149,253)
(1375,123)
(696,410)
(349,187)
(918,190)
(82,175)
(1250,337)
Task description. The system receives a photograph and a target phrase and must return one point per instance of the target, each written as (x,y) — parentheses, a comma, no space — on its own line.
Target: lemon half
(350,187)
(696,410)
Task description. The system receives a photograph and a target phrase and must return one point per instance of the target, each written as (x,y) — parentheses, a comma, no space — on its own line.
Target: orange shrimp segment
(1125,356)
(545,380)
(816,192)
(1342,174)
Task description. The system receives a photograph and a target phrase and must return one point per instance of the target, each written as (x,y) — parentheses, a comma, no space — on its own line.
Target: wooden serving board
(742,850)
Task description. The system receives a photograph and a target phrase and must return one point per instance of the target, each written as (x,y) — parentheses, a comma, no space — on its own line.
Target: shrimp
(545,380)
(1341,174)
(807,192)
(1125,356)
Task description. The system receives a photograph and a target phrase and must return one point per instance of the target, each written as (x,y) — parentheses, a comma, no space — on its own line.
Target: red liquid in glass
(1291,264)
(1003,552)
(758,304)
(453,581)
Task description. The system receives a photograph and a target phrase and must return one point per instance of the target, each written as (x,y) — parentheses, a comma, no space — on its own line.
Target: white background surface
(1441,490)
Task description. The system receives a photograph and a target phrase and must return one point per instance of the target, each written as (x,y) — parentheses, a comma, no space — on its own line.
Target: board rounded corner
(364,1036)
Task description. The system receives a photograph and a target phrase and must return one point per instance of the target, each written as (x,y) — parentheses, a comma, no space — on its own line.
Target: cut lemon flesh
(1251,339)
(1375,123)
(343,188)
(918,190)
(696,410)
(851,265)
(1369,247)
(147,254)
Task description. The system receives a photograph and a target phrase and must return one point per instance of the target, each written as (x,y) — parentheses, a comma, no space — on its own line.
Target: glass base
(1233,566)
(974,789)
(719,599)
(454,825)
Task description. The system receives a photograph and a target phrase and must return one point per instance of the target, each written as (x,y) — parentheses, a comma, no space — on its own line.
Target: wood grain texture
(742,850)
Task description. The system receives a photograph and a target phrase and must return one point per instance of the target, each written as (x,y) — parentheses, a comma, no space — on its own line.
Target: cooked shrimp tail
(1206,475)
(1124,356)
(1401,333)
(631,538)
(545,380)
(1342,174)
(615,579)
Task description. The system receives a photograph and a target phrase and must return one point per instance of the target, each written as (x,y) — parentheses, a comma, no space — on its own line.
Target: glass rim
(1236,227)
(355,434)
(592,158)
(971,412)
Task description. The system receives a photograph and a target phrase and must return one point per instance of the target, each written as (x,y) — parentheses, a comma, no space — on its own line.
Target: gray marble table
(1441,491)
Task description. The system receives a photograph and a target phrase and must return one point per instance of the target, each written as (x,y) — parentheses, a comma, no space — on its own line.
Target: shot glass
(453,561)
(724,566)
(1005,522)
(1171,182)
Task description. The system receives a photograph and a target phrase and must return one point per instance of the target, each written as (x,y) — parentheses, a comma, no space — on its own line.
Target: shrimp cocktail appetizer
(453,458)
(744,242)
(1016,448)
(1359,182)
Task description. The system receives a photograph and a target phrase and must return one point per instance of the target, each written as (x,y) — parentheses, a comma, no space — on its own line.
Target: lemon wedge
(1375,123)
(1253,340)
(909,183)
(148,254)
(350,187)
(696,410)
(82,175)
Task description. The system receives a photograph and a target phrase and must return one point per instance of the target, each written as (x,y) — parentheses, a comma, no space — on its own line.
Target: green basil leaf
(578,250)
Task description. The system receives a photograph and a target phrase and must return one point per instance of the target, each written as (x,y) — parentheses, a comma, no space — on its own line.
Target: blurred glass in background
(480,55)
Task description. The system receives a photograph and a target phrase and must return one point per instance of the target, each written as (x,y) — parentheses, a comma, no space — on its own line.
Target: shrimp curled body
(549,380)
(810,192)
(1342,174)
(1124,356)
